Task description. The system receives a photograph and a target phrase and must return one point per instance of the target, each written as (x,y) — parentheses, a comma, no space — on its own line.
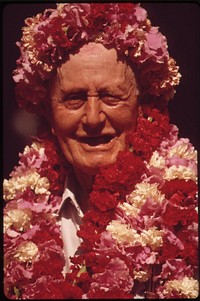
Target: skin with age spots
(94,104)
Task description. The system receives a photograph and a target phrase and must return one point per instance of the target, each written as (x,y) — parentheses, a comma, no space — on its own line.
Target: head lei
(49,38)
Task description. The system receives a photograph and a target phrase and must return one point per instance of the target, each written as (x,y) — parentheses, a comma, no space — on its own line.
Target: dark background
(179,22)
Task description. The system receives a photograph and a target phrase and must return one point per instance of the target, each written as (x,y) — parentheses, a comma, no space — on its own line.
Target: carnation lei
(139,237)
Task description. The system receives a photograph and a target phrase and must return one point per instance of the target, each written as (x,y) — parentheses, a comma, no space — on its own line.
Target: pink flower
(175,268)
(156,43)
(46,287)
(115,276)
(140,13)
(172,246)
(107,243)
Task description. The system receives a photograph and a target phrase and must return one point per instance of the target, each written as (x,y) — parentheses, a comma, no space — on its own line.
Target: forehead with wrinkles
(98,63)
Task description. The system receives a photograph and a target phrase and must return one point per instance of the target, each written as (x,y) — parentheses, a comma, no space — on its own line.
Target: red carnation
(174,214)
(186,188)
(121,176)
(43,267)
(189,239)
(103,200)
(169,251)
(47,288)
(88,232)
(151,128)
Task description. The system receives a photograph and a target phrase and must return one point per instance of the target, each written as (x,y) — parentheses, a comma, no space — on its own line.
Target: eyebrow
(116,91)
(70,91)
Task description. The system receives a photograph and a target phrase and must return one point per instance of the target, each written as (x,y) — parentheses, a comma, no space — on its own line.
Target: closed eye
(74,100)
(109,99)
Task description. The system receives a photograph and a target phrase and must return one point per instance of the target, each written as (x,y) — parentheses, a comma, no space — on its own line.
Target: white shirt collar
(69,196)
(70,215)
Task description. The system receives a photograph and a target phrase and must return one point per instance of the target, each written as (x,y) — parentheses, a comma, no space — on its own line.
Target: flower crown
(49,38)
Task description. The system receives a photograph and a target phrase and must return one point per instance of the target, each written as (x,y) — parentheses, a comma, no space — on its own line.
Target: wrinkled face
(94,104)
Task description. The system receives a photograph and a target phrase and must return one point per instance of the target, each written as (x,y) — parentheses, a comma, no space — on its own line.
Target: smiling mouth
(95,141)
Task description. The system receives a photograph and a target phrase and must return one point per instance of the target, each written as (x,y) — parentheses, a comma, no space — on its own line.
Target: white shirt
(70,218)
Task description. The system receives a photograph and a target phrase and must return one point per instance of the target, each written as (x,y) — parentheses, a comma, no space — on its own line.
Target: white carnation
(36,146)
(123,233)
(129,209)
(180,172)
(157,161)
(183,149)
(17,218)
(26,252)
(189,287)
(142,192)
(18,184)
(152,237)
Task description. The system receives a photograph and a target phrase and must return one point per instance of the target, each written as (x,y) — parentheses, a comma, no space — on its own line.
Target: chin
(93,166)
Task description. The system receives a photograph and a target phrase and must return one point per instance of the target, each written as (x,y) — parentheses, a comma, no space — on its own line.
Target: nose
(93,113)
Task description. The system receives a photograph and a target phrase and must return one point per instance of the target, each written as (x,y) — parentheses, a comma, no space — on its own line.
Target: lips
(96,140)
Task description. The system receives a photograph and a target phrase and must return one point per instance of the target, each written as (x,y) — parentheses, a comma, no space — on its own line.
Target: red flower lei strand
(139,238)
(140,250)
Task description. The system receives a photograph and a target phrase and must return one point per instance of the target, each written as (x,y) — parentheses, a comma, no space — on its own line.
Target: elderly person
(102,204)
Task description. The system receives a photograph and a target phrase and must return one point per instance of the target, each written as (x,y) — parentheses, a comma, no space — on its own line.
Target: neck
(84,187)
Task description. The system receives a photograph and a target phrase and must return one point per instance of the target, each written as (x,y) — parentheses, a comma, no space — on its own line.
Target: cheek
(64,121)
(123,117)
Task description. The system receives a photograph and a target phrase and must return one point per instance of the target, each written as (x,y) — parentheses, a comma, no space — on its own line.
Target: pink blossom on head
(156,43)
(140,13)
